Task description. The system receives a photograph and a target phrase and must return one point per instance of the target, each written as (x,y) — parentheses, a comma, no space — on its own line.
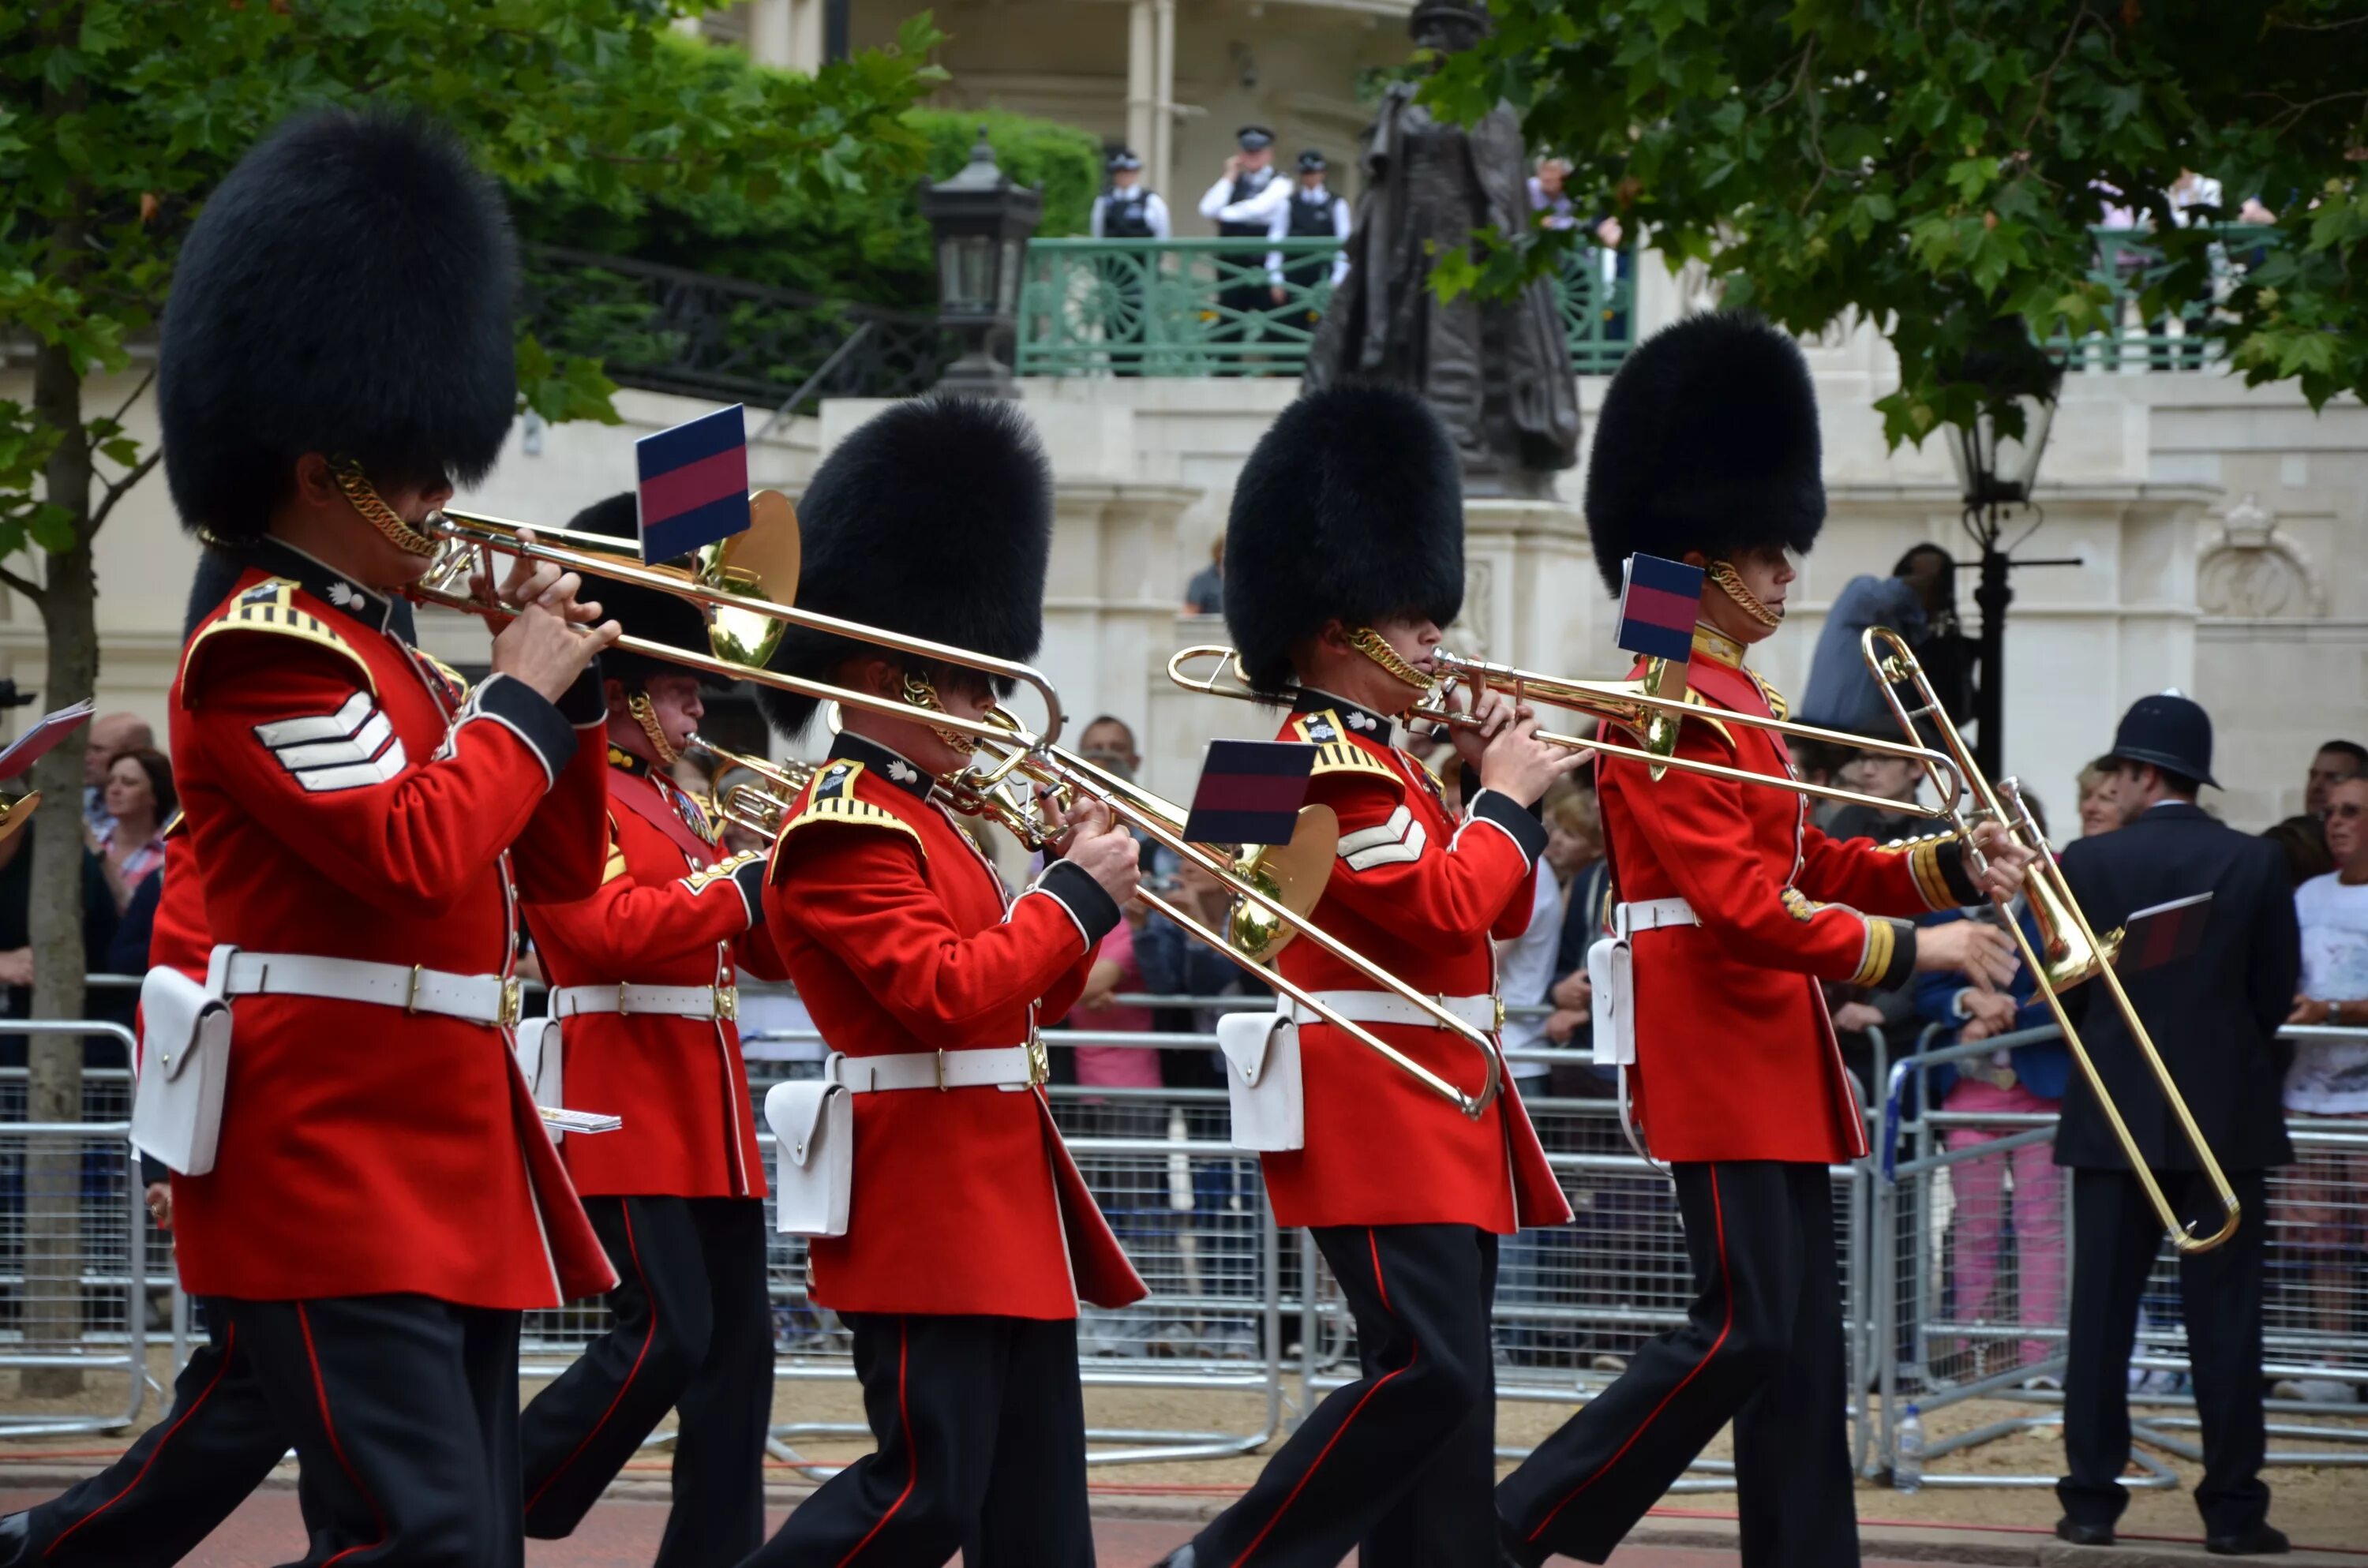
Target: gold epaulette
(1335,751)
(270,607)
(829,797)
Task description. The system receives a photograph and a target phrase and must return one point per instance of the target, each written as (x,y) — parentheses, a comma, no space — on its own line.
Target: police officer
(1707,450)
(970,1236)
(1126,210)
(1243,201)
(384,1201)
(1312,212)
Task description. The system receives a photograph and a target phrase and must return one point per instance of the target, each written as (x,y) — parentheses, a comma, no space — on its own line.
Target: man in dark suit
(2215,1019)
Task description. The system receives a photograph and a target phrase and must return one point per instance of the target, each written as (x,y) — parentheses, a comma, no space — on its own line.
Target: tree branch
(24,585)
(137,473)
(2294,111)
(144,381)
(2047,77)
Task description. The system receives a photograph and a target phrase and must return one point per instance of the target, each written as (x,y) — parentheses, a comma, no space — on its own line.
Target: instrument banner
(694,483)
(1659,602)
(1250,792)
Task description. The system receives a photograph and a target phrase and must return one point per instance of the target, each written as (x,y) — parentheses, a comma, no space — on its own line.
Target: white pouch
(1262,1082)
(1611,974)
(813,1122)
(541,1061)
(183,1066)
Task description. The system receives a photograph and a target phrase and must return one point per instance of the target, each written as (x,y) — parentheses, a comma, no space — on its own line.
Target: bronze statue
(1497,370)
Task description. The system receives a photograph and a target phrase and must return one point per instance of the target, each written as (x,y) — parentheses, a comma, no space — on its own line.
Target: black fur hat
(934,520)
(1707,440)
(641,612)
(347,290)
(1351,506)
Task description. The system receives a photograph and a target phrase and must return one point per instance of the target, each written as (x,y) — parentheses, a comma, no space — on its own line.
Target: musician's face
(1765,575)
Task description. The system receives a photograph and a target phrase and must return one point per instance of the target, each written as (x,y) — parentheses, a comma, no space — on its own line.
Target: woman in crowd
(140,800)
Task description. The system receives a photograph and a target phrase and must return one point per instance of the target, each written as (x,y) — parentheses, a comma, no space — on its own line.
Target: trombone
(1274,887)
(1636,706)
(2069,950)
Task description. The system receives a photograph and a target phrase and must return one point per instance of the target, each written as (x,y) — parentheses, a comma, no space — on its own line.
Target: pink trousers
(2026,1183)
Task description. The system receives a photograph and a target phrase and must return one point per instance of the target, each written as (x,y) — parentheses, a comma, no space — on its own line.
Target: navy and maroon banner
(1250,792)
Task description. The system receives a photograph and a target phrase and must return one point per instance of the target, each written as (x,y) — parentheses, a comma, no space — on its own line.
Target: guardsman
(1707,451)
(643,978)
(970,1236)
(1344,559)
(384,1202)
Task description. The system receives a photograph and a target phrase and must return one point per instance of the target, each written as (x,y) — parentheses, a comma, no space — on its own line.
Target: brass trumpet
(761,808)
(1633,705)
(2069,950)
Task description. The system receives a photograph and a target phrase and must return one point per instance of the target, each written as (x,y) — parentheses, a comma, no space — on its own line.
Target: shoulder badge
(616,866)
(1335,751)
(1777,706)
(455,684)
(1696,700)
(829,797)
(270,606)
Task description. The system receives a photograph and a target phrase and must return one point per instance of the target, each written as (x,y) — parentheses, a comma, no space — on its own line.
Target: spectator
(2329,1077)
(1843,693)
(1859,1010)
(1205,593)
(1822,761)
(139,799)
(1525,974)
(2215,1018)
(2100,811)
(2019,1080)
(2336,761)
(1575,854)
(110,735)
(2304,840)
(98,923)
(1546,197)
(1890,776)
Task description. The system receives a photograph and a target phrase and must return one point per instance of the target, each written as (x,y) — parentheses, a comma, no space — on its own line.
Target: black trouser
(1762,1345)
(186,1474)
(694,1334)
(981,1423)
(1398,1464)
(403,1414)
(2117,1237)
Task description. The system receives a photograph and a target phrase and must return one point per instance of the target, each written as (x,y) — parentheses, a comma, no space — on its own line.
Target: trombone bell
(1292,874)
(2068,955)
(759,563)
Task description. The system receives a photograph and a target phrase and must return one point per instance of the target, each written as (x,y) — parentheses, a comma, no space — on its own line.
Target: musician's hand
(2002,877)
(540,582)
(546,652)
(1110,856)
(1984,954)
(1520,766)
(1492,712)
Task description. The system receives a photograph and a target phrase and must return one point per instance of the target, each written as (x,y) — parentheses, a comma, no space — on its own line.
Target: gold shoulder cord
(1724,575)
(1376,647)
(374,510)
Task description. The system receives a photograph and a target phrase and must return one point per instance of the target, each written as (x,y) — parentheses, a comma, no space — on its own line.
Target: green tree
(1934,167)
(118,117)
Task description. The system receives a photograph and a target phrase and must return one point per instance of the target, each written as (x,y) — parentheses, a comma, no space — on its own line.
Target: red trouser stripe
(1727,1285)
(230,1349)
(633,1252)
(321,1391)
(1373,1244)
(905,1424)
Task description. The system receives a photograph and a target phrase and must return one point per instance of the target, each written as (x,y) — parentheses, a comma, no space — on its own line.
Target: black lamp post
(1996,457)
(982,222)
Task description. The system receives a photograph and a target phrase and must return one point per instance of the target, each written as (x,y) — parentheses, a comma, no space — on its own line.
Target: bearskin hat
(934,520)
(1707,440)
(1351,506)
(347,290)
(644,612)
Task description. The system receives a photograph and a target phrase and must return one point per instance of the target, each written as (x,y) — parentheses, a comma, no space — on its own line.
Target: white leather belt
(672,1001)
(1652,915)
(487,999)
(1388,1008)
(1005,1067)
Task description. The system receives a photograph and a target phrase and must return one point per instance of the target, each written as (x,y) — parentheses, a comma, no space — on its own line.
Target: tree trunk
(52,1295)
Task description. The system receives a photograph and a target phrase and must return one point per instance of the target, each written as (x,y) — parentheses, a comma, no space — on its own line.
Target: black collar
(619,757)
(1379,726)
(884,762)
(380,611)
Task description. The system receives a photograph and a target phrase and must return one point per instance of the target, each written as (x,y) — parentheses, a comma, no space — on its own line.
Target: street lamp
(981,222)
(1996,455)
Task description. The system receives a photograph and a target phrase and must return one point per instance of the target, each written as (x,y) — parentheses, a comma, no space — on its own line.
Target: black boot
(2261,1541)
(2079,1534)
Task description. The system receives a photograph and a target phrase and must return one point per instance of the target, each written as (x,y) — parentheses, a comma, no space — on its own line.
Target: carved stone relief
(2250,571)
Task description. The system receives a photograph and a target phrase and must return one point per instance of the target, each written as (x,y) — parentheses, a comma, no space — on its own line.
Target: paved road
(624,1534)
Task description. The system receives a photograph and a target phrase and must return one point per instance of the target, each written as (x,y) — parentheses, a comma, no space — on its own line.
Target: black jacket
(2214,1017)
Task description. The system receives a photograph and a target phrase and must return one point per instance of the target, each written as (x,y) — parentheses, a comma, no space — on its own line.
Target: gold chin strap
(1376,647)
(375,511)
(645,714)
(1725,576)
(922,692)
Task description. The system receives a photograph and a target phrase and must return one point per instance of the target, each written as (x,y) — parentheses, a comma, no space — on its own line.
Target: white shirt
(2329,1077)
(1154,213)
(1278,227)
(764,1011)
(1257,207)
(1525,968)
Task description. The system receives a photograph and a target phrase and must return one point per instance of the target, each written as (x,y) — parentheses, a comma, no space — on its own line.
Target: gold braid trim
(1881,941)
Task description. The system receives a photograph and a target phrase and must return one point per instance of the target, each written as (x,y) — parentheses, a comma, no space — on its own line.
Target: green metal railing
(2127,261)
(1210,308)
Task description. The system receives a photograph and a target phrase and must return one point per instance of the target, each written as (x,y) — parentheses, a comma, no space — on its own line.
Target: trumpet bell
(1292,874)
(759,563)
(2067,954)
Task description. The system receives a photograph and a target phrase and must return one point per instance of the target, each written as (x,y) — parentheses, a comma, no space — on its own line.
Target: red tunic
(667,913)
(900,938)
(344,801)
(1419,893)
(1736,1056)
